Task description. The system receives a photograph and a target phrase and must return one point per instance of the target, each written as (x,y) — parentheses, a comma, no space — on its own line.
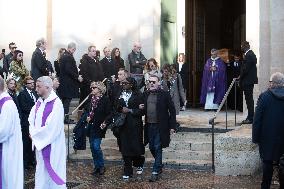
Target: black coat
(184,74)
(91,70)
(101,114)
(119,63)
(57,68)
(25,105)
(136,68)
(15,99)
(69,84)
(39,66)
(6,62)
(166,116)
(130,140)
(248,72)
(268,124)
(108,67)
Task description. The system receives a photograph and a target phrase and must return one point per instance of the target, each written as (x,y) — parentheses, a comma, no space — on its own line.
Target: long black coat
(108,67)
(248,73)
(130,138)
(101,114)
(69,84)
(268,124)
(39,66)
(166,116)
(119,63)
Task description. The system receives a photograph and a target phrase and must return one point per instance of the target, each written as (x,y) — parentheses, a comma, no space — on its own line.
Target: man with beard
(48,137)
(27,99)
(9,58)
(91,70)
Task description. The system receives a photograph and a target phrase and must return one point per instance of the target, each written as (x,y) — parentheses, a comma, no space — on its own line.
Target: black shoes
(99,171)
(246,121)
(69,121)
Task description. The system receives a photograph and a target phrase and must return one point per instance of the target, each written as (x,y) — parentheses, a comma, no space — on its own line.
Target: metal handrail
(212,120)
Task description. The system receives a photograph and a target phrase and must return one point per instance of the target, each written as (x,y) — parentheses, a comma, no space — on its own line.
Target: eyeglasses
(30,83)
(152,82)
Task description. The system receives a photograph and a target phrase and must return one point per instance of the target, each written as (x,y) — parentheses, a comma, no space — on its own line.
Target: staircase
(191,147)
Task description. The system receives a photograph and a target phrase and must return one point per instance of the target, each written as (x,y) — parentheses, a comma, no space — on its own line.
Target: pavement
(79,177)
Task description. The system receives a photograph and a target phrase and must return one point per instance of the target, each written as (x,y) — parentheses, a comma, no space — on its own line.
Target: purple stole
(46,150)
(2,101)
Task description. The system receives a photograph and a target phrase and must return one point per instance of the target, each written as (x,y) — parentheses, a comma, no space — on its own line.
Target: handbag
(118,121)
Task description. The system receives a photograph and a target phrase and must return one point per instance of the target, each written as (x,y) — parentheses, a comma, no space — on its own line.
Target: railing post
(236,103)
(226,107)
(213,150)
(68,137)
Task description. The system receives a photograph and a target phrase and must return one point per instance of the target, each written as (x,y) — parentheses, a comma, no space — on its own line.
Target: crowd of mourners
(139,106)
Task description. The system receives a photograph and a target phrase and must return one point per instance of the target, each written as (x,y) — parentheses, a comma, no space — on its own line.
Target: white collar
(4,94)
(51,97)
(214,59)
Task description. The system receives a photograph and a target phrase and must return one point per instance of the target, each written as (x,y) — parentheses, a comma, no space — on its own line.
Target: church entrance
(211,24)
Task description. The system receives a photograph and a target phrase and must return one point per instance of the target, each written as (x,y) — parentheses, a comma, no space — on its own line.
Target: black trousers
(29,155)
(129,161)
(267,167)
(248,92)
(66,103)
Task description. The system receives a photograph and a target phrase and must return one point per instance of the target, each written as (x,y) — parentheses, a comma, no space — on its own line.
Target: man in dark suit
(160,122)
(248,77)
(233,71)
(27,99)
(69,79)
(268,127)
(39,66)
(108,64)
(9,57)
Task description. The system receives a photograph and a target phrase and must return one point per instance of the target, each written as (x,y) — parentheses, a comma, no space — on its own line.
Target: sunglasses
(125,83)
(13,47)
(30,83)
(20,55)
(152,82)
(93,88)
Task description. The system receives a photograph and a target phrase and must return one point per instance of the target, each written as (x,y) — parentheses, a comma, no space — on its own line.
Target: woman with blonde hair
(98,115)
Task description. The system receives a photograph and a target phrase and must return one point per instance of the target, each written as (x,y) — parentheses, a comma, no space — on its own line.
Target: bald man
(47,133)
(11,146)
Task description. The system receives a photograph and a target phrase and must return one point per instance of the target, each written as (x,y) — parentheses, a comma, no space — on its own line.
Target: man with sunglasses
(160,122)
(9,57)
(27,99)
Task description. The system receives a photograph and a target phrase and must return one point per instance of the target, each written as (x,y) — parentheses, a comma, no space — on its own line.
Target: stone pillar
(277,39)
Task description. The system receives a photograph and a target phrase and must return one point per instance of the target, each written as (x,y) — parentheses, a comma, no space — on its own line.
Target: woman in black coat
(130,139)
(118,61)
(98,116)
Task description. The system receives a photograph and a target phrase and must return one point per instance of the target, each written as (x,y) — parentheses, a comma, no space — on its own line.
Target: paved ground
(78,177)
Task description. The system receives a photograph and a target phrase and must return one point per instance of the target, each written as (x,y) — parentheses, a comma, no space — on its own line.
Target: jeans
(155,146)
(95,144)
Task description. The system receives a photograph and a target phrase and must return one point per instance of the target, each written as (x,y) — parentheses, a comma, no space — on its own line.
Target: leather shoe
(102,170)
(246,121)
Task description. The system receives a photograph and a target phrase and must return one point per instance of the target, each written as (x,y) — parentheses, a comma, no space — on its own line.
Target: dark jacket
(130,140)
(91,70)
(101,114)
(166,116)
(6,62)
(248,72)
(119,63)
(184,73)
(69,84)
(108,67)
(25,104)
(136,68)
(39,66)
(15,99)
(57,68)
(268,124)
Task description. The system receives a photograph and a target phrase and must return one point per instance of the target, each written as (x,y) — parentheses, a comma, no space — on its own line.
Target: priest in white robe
(11,146)
(47,132)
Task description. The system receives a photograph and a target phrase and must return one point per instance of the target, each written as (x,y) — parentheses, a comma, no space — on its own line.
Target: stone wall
(235,154)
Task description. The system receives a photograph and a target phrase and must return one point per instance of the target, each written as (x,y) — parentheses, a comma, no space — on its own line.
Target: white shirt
(247,52)
(31,94)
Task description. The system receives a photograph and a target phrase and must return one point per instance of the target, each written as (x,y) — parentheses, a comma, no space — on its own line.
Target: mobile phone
(3,51)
